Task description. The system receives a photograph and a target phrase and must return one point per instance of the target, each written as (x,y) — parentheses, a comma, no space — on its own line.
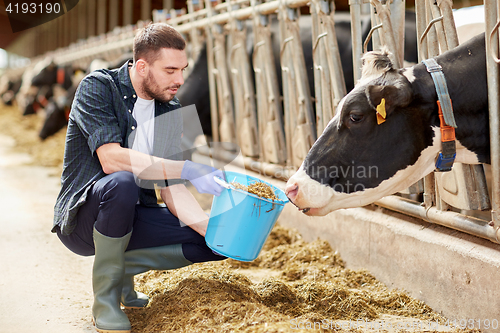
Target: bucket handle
(223,183)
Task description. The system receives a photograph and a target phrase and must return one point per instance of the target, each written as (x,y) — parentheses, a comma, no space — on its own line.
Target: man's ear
(141,66)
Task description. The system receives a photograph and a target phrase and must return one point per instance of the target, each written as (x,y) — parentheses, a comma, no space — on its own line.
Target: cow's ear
(391,96)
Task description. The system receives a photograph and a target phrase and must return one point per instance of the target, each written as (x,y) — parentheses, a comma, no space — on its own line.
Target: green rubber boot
(142,260)
(107,282)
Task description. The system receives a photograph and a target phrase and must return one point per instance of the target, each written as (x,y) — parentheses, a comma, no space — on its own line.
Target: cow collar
(61,73)
(447,124)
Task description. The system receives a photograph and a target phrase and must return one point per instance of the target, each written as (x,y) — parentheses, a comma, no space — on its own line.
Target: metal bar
(384,14)
(68,55)
(398,25)
(91,18)
(243,13)
(432,42)
(470,225)
(193,34)
(127,12)
(214,113)
(336,76)
(113,14)
(82,22)
(441,35)
(448,22)
(367,39)
(146,10)
(267,169)
(357,46)
(490,13)
(421,23)
(426,32)
(101,16)
(318,68)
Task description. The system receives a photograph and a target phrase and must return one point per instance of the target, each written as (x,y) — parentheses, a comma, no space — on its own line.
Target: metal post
(113,14)
(74,24)
(420,18)
(449,22)
(431,38)
(357,44)
(101,16)
(398,26)
(127,12)
(214,112)
(193,34)
(490,14)
(146,10)
(383,12)
(82,20)
(167,4)
(376,37)
(441,35)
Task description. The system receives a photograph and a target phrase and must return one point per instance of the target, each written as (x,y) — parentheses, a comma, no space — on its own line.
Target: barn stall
(437,240)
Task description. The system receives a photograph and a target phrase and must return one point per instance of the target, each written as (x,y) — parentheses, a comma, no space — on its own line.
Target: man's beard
(153,90)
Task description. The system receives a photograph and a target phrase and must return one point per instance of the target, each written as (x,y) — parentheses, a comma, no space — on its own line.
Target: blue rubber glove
(202,177)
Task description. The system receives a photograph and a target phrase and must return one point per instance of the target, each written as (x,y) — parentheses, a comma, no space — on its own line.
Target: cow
(9,87)
(37,99)
(57,111)
(57,108)
(357,161)
(195,89)
(53,74)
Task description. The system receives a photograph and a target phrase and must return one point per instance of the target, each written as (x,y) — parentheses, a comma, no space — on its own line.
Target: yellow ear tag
(381,114)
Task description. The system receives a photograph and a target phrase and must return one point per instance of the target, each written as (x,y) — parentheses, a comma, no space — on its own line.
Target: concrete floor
(44,287)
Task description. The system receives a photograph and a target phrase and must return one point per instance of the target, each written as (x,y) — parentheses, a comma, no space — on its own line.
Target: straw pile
(291,281)
(25,129)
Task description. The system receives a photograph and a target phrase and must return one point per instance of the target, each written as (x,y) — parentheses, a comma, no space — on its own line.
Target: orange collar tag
(447,132)
(381,113)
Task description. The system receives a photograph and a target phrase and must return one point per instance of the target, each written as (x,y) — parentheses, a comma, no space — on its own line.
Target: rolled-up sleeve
(94,114)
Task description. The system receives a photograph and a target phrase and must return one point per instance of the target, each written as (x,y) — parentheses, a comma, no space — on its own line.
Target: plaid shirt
(101,113)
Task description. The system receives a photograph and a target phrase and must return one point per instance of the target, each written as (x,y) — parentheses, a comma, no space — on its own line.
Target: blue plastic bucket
(240,222)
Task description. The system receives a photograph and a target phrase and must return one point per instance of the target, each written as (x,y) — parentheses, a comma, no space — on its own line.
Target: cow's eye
(355,117)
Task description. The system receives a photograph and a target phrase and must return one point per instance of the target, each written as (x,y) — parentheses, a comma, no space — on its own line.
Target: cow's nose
(291,190)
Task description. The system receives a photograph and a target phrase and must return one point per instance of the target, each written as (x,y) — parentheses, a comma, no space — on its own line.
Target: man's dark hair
(152,38)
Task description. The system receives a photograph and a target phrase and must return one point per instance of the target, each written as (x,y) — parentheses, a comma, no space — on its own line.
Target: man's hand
(202,177)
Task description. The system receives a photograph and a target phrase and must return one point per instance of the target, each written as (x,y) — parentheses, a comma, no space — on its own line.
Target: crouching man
(118,139)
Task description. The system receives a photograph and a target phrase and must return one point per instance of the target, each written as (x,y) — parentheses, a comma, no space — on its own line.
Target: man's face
(165,75)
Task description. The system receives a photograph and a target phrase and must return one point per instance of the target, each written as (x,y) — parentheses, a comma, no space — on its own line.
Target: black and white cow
(357,161)
(9,87)
(57,109)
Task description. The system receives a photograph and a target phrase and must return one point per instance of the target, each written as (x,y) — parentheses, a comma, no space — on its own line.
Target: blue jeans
(111,207)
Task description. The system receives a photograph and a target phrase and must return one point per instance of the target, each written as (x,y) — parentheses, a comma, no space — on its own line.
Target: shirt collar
(128,90)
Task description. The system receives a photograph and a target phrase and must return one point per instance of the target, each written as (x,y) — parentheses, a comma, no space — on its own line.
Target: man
(123,135)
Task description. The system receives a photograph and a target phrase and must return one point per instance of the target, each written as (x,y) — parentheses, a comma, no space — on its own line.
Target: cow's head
(379,142)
